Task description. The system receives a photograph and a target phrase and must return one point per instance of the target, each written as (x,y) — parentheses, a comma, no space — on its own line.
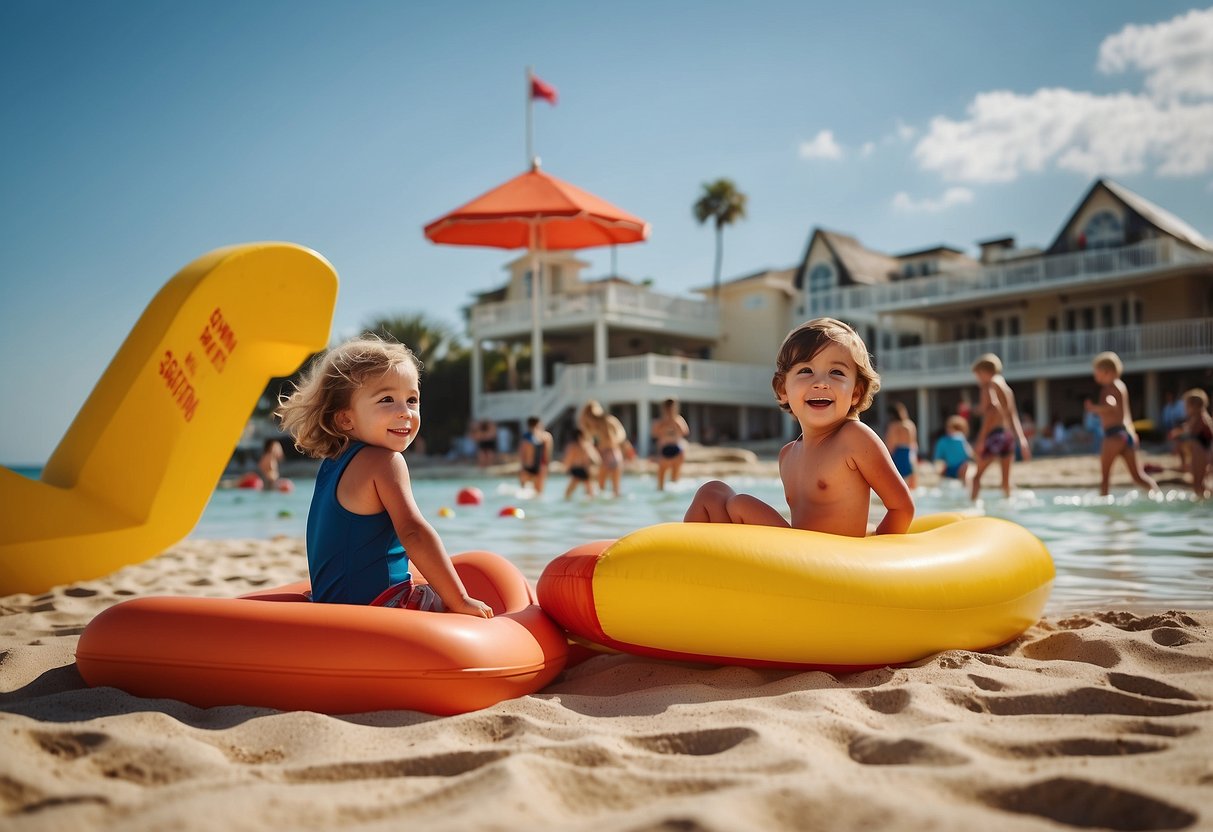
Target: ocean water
(1125,551)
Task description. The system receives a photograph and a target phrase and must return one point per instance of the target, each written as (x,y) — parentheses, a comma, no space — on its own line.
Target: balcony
(631,307)
(1018,277)
(1174,344)
(636,378)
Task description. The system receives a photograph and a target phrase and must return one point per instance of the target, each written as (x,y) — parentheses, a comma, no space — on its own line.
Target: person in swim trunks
(1000,427)
(670,433)
(580,460)
(1196,435)
(1119,438)
(901,438)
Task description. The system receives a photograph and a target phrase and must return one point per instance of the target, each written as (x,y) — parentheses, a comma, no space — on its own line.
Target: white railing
(598,301)
(573,384)
(1184,338)
(985,281)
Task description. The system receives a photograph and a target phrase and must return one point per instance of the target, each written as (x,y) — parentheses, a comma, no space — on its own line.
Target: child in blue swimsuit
(1119,438)
(954,451)
(358,408)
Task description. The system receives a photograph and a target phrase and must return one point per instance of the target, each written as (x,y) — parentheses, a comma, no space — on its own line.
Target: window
(821,278)
(1104,230)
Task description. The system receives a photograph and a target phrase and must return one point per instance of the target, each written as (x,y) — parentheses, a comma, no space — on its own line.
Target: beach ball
(446,511)
(250,480)
(512,511)
(285,486)
(469,497)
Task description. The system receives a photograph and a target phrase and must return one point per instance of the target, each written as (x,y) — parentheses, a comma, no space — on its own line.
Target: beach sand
(1101,719)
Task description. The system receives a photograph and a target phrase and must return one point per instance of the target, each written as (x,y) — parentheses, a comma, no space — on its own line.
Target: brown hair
(1109,361)
(989,362)
(958,423)
(1197,395)
(308,414)
(810,338)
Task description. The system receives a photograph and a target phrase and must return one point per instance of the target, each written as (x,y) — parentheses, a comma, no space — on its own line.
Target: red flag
(542,89)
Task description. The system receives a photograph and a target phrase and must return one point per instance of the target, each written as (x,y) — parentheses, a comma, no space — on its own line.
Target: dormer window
(821,278)
(1104,230)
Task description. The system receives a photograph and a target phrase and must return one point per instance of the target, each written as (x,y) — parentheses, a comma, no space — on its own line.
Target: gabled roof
(1160,218)
(939,249)
(857,263)
(775,278)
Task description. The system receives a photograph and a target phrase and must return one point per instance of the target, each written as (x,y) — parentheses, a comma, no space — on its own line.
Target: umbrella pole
(536,328)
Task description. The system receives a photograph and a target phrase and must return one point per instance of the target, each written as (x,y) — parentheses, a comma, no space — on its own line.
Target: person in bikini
(610,438)
(1000,427)
(1119,438)
(670,433)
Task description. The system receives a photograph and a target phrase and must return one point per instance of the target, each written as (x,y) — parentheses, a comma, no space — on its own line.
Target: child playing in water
(534,454)
(901,438)
(1119,438)
(954,451)
(580,460)
(358,408)
(824,377)
(1195,434)
(1000,426)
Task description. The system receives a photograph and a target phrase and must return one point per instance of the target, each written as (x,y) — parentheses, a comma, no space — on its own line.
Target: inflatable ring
(777,597)
(277,649)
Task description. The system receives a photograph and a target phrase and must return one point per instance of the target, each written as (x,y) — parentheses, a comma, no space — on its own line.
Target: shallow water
(1125,551)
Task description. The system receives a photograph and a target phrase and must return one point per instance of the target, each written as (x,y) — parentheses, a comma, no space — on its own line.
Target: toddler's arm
(874,463)
(420,541)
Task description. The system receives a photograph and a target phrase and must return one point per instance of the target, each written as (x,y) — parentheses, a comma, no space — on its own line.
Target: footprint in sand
(1147,686)
(878,751)
(886,700)
(70,745)
(1087,805)
(695,743)
(434,765)
(1072,647)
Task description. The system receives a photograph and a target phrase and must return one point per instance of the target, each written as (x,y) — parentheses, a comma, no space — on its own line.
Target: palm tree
(429,339)
(722,202)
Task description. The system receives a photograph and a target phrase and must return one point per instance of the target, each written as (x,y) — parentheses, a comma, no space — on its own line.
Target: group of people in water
(599,446)
(358,408)
(1003,435)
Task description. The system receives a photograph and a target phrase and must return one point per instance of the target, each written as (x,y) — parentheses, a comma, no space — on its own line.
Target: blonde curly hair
(810,338)
(308,414)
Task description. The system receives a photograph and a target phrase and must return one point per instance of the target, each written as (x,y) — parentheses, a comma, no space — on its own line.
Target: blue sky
(139,135)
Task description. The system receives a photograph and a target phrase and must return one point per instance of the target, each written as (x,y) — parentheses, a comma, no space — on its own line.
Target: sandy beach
(1098,719)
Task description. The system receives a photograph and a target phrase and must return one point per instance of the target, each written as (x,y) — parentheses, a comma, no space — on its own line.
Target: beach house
(1121,274)
(631,347)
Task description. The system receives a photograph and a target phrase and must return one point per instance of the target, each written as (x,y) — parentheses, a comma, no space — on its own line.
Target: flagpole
(530,105)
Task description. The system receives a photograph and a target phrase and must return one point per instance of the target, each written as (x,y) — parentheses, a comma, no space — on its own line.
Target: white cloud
(1176,56)
(1166,129)
(952,196)
(905,132)
(822,146)
(867,149)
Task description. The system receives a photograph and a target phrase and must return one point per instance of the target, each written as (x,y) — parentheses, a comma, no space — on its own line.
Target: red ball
(250,480)
(285,486)
(469,497)
(512,511)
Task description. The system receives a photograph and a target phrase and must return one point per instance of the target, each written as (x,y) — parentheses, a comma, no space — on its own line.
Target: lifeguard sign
(136,468)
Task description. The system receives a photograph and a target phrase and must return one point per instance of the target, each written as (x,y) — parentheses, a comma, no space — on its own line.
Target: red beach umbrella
(538,212)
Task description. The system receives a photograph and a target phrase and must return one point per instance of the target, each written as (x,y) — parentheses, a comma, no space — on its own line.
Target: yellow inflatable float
(764,596)
(137,466)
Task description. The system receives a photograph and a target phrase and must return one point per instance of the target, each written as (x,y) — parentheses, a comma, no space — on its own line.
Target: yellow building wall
(754,320)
